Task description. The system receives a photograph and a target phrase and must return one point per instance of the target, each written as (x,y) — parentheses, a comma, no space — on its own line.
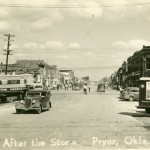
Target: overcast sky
(94,39)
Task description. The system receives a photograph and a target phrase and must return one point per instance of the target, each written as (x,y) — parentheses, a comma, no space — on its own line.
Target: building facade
(42,71)
(136,66)
(66,76)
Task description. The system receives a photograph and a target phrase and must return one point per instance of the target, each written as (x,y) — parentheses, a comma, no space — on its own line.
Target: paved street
(77,121)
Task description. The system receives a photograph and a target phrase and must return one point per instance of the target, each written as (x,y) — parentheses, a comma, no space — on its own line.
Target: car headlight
(22,101)
(34,101)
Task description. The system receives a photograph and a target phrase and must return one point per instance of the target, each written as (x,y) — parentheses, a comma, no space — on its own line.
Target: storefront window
(147,63)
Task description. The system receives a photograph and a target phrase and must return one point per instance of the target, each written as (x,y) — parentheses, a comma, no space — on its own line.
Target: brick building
(137,66)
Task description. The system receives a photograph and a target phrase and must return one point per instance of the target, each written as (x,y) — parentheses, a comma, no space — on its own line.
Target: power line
(93,68)
(73,6)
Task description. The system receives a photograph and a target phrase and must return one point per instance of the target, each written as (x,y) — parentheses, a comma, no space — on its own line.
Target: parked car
(130,93)
(37,100)
(101,87)
(36,87)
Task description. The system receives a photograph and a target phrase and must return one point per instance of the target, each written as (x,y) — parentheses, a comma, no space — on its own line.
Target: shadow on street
(136,114)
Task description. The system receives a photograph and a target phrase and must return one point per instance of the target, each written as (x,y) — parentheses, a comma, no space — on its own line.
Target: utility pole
(7,50)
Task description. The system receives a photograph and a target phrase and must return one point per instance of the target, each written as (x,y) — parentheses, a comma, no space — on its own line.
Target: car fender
(18,104)
(132,95)
(36,104)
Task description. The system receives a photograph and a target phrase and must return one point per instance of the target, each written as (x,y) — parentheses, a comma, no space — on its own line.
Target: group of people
(86,87)
(65,85)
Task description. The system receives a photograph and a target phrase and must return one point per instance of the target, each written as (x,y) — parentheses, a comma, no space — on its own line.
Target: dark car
(37,100)
(101,87)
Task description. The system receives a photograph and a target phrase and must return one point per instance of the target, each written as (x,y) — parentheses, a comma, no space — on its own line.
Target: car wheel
(131,98)
(39,110)
(4,99)
(50,104)
(18,111)
(147,110)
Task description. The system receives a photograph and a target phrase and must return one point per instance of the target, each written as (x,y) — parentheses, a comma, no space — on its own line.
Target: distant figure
(66,86)
(49,88)
(106,86)
(57,87)
(121,89)
(89,86)
(85,89)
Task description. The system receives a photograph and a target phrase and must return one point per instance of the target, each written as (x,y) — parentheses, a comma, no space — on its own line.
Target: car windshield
(30,94)
(38,86)
(128,90)
(131,90)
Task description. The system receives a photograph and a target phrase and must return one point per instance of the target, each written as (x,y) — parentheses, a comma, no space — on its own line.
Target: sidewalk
(112,91)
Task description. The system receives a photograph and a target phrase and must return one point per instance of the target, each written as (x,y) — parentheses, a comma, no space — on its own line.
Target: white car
(130,93)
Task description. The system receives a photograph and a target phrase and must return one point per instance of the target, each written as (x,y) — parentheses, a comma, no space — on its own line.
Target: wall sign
(147,90)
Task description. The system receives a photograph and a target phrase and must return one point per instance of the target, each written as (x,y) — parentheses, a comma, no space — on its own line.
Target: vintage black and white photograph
(74,74)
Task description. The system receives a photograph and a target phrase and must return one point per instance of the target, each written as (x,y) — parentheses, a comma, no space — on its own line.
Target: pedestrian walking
(66,86)
(85,89)
(57,86)
(121,89)
(89,87)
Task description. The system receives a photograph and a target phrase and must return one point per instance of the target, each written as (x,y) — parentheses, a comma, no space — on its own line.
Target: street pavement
(98,120)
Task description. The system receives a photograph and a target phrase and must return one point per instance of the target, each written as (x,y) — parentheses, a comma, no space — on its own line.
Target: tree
(105,79)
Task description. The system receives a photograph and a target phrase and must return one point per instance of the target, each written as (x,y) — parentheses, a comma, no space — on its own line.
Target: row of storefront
(130,72)
(40,70)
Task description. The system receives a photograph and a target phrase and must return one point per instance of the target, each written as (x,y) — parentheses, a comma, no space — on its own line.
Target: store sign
(4,81)
(142,86)
(147,90)
(21,81)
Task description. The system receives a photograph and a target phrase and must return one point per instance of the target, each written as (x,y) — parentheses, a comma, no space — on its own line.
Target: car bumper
(22,107)
(27,109)
(142,107)
(126,97)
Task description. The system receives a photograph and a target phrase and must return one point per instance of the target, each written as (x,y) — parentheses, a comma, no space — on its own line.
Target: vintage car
(130,93)
(36,87)
(101,87)
(37,100)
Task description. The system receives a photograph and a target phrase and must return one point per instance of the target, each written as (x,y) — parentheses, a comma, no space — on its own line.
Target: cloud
(4,26)
(4,12)
(41,24)
(63,57)
(30,45)
(132,44)
(88,54)
(20,55)
(74,45)
(53,45)
(14,46)
(91,9)
(124,9)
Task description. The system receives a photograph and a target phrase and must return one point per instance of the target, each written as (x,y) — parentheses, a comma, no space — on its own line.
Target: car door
(136,94)
(44,100)
(48,99)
